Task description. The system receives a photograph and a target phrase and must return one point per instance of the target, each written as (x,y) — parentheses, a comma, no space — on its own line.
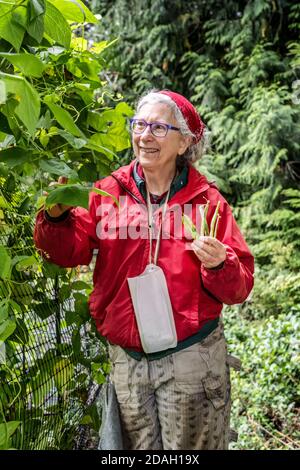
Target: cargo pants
(179,402)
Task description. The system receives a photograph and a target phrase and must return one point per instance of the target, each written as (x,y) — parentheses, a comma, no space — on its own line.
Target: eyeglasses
(158,129)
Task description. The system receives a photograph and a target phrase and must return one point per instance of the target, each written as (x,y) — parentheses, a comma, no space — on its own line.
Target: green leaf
(15,307)
(5,263)
(19,14)
(6,431)
(108,120)
(26,262)
(36,28)
(87,172)
(63,371)
(76,342)
(45,120)
(75,10)
(52,270)
(90,69)
(22,291)
(58,167)
(42,385)
(103,168)
(125,109)
(95,120)
(36,8)
(25,205)
(71,317)
(64,292)
(21,333)
(97,374)
(96,143)
(104,193)
(80,285)
(64,118)
(74,195)
(7,327)
(10,30)
(99,47)
(56,26)
(87,419)
(35,16)
(14,156)
(28,109)
(4,306)
(112,126)
(3,202)
(75,142)
(29,64)
(45,309)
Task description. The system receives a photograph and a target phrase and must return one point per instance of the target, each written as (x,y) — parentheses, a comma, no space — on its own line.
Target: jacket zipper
(127,191)
(134,197)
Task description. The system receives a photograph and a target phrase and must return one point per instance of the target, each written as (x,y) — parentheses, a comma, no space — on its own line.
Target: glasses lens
(158,129)
(138,126)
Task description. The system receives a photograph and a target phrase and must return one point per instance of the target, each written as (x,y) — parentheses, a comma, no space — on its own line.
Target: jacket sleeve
(70,242)
(233,282)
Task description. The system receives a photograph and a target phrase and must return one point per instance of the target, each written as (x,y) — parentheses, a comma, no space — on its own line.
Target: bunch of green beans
(205,230)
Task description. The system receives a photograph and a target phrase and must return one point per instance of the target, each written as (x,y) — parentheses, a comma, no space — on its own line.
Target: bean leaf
(74,195)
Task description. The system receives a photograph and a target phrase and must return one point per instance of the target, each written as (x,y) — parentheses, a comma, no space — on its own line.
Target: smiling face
(158,153)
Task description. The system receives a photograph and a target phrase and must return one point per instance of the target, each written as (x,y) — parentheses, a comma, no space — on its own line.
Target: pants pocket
(120,373)
(203,368)
(190,367)
(215,390)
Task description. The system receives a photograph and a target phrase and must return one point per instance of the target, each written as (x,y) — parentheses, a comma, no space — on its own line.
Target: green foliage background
(239,64)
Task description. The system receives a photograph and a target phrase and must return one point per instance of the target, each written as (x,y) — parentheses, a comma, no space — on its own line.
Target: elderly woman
(172,383)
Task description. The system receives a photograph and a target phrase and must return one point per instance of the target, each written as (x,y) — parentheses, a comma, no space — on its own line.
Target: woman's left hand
(210,251)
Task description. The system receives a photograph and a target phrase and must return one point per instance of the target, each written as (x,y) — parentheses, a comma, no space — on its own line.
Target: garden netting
(46,386)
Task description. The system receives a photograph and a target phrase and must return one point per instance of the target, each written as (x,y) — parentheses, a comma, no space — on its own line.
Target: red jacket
(196,293)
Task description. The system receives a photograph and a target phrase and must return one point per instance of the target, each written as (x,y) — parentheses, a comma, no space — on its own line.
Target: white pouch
(153,309)
(151,299)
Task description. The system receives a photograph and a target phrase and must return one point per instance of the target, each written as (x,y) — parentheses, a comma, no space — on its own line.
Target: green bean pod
(216,226)
(190,226)
(214,220)
(204,227)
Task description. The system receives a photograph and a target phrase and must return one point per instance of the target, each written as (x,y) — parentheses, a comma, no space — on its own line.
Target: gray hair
(195,150)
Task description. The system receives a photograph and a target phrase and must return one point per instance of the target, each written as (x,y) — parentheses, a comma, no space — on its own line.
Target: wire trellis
(45,383)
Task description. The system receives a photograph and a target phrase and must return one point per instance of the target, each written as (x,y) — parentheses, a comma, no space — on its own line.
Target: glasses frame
(168,126)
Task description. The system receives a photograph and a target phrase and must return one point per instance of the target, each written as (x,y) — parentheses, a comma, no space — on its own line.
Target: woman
(173,397)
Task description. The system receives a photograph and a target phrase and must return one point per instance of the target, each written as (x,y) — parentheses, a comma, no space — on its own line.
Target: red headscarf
(189,113)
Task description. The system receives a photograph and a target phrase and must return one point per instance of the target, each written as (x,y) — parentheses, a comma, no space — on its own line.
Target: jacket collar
(197,183)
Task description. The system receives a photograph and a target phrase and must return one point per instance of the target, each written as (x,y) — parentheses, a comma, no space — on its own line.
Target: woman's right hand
(58,209)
